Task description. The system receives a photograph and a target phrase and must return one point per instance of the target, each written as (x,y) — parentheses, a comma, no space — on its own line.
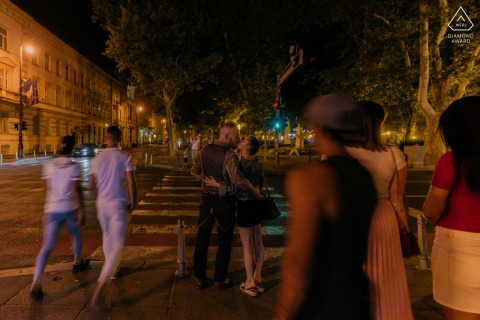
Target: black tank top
(338,288)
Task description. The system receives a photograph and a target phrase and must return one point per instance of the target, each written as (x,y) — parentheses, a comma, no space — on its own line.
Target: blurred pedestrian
(248,215)
(219,161)
(63,206)
(453,204)
(185,157)
(389,296)
(331,204)
(195,145)
(108,172)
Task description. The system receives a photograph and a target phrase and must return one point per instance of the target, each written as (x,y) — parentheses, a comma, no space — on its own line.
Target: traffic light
(279,123)
(15,126)
(24,125)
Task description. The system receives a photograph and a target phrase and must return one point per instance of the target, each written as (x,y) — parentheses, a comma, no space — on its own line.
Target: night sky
(71,22)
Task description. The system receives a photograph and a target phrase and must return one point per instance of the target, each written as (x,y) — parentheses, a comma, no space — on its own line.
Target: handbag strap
(265,184)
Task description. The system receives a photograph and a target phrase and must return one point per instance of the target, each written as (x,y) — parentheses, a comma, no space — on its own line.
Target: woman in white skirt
(453,204)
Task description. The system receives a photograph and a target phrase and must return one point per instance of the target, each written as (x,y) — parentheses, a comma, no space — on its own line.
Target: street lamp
(20,106)
(138,129)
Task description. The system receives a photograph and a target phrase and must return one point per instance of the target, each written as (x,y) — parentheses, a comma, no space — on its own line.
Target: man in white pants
(195,146)
(108,172)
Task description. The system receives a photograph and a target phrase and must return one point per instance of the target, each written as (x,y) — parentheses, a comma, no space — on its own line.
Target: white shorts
(455,269)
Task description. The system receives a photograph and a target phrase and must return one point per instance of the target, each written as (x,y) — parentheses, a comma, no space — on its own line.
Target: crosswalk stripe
(173,212)
(183,195)
(168,203)
(163,213)
(177,188)
(192,229)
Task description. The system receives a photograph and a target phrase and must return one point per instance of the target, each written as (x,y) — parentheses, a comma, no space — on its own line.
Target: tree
(445,71)
(161,44)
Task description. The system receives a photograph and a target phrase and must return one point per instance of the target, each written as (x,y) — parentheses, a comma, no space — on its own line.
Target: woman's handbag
(268,208)
(407,239)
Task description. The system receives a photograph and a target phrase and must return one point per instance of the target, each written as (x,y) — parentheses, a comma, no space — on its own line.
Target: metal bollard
(1,159)
(34,153)
(54,152)
(146,157)
(424,257)
(277,160)
(151,158)
(16,155)
(45,152)
(181,272)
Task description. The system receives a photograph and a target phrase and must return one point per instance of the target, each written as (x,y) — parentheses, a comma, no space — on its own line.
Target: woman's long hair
(459,126)
(373,117)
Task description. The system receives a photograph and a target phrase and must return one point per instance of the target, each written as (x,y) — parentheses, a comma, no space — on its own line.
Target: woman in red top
(453,204)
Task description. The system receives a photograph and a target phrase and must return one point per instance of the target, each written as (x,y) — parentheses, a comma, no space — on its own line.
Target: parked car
(85,150)
(102,147)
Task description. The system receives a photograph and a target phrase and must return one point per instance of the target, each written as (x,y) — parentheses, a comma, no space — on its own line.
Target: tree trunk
(433,147)
(172,148)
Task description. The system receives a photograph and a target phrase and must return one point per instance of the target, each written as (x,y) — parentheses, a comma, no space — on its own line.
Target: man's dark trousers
(224,215)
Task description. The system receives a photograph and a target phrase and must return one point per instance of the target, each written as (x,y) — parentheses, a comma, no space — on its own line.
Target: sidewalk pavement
(149,289)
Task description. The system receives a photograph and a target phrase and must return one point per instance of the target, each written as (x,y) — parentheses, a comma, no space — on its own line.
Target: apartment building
(63,92)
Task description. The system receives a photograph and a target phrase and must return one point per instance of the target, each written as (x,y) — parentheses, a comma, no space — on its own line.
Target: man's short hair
(230,124)
(115,132)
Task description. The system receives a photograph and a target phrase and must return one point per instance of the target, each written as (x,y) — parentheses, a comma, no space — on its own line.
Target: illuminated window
(3,39)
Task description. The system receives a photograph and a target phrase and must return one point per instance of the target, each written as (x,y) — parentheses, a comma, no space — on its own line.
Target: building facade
(75,96)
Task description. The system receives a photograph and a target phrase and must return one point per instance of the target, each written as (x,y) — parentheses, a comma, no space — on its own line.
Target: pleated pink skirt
(390,299)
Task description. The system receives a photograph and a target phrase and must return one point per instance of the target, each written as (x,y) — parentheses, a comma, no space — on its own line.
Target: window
(3,78)
(59,127)
(59,96)
(75,80)
(3,39)
(49,92)
(34,59)
(58,70)
(82,80)
(3,122)
(67,72)
(48,61)
(76,100)
(36,125)
(68,99)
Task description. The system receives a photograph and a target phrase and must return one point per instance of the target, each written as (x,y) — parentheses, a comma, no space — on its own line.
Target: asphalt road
(164,196)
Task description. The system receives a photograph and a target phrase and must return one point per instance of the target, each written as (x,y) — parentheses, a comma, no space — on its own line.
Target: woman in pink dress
(389,296)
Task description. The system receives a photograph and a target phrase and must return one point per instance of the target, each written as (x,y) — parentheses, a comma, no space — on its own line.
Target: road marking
(186,195)
(192,229)
(168,203)
(165,213)
(177,188)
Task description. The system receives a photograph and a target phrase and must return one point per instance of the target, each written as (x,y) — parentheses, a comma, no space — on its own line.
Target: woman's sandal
(260,288)
(250,291)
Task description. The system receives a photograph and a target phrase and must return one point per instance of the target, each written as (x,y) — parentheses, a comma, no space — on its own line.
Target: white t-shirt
(109,168)
(60,196)
(195,144)
(380,165)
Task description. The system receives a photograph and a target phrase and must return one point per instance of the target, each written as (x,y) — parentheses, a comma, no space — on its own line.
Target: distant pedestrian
(248,216)
(195,146)
(108,173)
(331,203)
(219,161)
(453,204)
(185,157)
(389,296)
(63,206)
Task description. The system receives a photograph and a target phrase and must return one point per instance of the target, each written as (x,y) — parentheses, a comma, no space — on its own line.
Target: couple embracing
(229,185)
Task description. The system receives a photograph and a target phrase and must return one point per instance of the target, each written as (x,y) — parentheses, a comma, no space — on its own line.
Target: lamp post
(20,107)
(138,129)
